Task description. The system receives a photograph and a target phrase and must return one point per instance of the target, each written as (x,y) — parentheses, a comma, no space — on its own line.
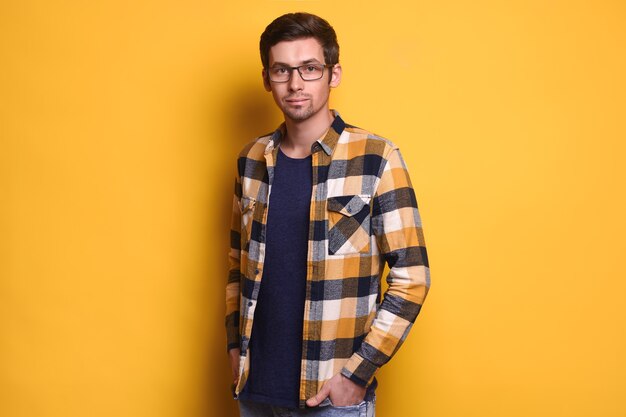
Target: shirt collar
(326,143)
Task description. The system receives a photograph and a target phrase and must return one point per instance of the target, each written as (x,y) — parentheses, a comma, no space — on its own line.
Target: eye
(279,70)
(312,68)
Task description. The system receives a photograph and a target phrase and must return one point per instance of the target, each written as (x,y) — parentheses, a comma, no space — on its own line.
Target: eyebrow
(307,61)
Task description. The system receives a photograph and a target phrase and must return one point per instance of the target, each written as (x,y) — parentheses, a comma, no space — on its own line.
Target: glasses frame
(324,66)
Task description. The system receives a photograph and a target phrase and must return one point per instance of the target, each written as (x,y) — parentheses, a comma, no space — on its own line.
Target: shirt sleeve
(233,284)
(398,228)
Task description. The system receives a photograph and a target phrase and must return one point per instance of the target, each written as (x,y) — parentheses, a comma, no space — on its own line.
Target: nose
(295,82)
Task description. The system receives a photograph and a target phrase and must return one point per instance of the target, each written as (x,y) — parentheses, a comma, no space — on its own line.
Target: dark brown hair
(292,26)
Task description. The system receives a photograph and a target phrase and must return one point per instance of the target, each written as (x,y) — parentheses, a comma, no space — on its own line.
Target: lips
(296,100)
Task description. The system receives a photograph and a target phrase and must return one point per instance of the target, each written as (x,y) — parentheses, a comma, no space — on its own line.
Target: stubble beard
(305,112)
(301,114)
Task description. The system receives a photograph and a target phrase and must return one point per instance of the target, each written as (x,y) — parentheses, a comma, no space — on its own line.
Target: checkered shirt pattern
(363,214)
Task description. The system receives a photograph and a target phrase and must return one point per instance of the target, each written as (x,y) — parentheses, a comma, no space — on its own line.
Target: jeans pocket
(347,407)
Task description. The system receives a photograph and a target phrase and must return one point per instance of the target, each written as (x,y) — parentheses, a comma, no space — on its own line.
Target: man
(319,207)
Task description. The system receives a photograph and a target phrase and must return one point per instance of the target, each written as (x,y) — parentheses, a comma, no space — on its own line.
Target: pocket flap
(246,204)
(348,205)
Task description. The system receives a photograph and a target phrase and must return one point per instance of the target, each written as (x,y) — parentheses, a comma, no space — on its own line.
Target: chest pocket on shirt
(247,206)
(348,224)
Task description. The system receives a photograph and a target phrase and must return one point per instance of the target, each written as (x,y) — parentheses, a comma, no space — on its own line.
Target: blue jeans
(325,409)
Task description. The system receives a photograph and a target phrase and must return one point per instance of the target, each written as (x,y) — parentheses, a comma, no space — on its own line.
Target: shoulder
(366,141)
(251,158)
(256,147)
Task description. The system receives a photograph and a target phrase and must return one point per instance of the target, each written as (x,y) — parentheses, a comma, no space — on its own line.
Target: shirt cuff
(359,370)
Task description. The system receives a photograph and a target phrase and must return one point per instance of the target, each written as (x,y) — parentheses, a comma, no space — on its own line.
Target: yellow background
(119,125)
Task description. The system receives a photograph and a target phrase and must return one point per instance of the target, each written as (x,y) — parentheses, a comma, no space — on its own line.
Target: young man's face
(299,100)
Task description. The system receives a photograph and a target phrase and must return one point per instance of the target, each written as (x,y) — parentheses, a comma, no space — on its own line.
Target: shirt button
(256,271)
(250,303)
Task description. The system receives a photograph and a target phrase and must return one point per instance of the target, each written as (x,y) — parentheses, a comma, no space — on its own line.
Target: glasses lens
(311,71)
(279,74)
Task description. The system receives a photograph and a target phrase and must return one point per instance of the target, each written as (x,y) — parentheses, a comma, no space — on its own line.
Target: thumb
(319,397)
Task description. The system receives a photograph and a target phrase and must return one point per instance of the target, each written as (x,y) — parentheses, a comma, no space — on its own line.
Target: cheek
(322,92)
(277,92)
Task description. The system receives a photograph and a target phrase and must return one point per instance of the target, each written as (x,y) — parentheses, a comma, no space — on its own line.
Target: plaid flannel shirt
(363,213)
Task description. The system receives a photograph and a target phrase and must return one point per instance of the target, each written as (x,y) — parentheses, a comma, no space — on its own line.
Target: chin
(302,114)
(299,115)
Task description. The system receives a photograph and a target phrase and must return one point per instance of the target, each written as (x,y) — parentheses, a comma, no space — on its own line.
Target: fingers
(319,397)
(234,363)
(235,374)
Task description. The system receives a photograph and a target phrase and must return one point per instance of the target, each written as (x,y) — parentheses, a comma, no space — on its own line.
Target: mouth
(296,100)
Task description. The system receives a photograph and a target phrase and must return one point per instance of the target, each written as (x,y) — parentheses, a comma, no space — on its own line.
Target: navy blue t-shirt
(275,346)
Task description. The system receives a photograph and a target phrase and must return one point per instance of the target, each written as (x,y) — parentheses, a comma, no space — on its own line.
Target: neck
(302,134)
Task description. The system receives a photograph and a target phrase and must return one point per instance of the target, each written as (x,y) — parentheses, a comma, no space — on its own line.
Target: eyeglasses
(308,72)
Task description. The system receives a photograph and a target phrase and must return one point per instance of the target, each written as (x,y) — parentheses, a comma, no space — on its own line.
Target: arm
(232,286)
(398,229)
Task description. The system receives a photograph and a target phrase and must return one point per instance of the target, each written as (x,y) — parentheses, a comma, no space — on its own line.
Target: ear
(335,75)
(266,80)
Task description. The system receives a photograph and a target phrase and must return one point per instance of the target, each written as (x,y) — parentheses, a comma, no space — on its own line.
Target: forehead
(296,52)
